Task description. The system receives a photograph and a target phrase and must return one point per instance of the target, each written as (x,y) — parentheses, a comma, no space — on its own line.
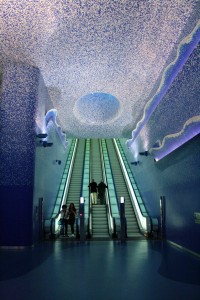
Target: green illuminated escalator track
(71,183)
(75,187)
(146,223)
(133,229)
(99,216)
(61,191)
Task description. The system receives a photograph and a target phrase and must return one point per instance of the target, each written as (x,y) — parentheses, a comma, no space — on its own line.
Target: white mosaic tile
(82,47)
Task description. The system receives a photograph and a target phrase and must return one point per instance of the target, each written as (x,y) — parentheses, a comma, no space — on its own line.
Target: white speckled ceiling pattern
(100,46)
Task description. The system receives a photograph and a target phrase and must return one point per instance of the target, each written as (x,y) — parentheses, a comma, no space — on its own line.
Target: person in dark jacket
(93,191)
(72,217)
(101,191)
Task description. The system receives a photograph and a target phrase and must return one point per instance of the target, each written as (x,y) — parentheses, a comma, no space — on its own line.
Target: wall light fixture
(41,135)
(46,144)
(145,153)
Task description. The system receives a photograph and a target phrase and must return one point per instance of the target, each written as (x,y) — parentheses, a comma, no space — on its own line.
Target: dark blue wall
(177,177)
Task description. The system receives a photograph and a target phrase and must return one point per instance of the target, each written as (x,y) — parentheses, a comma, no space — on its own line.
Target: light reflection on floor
(138,269)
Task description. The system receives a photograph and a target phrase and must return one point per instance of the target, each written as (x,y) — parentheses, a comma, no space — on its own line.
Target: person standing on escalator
(93,192)
(72,217)
(101,191)
(64,220)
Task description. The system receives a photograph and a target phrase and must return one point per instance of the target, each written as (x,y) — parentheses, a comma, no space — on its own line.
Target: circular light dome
(97,108)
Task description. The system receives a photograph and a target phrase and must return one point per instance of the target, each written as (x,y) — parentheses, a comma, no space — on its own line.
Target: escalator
(99,212)
(75,186)
(122,191)
(95,161)
(90,162)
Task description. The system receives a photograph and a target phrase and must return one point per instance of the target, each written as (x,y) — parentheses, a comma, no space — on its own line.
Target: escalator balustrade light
(135,163)
(81,200)
(121,199)
(46,144)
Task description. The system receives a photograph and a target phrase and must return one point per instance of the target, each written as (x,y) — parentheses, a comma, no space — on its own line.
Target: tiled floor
(138,269)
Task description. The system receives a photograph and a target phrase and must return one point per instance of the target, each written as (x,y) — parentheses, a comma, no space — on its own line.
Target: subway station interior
(105,90)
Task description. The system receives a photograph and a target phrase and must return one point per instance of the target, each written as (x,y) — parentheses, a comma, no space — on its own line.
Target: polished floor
(61,269)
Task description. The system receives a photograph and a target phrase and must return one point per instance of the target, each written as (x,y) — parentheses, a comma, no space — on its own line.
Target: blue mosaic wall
(177,178)
(28,171)
(177,117)
(120,48)
(17,152)
(18,107)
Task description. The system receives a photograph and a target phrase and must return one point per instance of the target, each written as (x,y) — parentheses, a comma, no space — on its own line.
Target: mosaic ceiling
(102,61)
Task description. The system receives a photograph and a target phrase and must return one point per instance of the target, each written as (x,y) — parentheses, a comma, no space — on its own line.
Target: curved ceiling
(98,47)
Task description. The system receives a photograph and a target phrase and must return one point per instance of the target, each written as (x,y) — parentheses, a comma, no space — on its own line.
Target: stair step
(100,220)
(99,211)
(99,236)
(99,214)
(98,231)
(102,225)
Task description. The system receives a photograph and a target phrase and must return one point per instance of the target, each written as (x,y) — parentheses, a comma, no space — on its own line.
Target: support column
(19,96)
(122,221)
(82,220)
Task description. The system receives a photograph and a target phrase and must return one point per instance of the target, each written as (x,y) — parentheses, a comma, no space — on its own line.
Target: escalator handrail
(55,216)
(89,226)
(109,209)
(118,144)
(89,201)
(113,180)
(81,191)
(68,174)
(144,221)
(87,219)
